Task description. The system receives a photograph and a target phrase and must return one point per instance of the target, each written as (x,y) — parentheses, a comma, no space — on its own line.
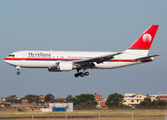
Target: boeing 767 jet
(56,61)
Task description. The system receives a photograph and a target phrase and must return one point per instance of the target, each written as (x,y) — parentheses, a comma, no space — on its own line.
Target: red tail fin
(146,39)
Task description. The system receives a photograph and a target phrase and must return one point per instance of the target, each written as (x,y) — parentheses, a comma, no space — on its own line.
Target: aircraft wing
(98,60)
(147,57)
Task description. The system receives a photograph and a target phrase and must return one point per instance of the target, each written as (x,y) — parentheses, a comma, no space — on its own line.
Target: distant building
(100,102)
(159,97)
(3,100)
(41,98)
(24,100)
(25,106)
(56,107)
(132,99)
(162,97)
(97,96)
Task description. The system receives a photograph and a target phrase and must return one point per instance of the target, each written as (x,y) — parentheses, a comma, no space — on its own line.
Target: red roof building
(162,97)
(100,102)
(97,96)
(159,97)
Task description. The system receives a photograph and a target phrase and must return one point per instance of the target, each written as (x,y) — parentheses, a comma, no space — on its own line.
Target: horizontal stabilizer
(147,57)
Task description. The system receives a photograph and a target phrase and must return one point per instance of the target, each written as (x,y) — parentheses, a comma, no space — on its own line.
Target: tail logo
(147,37)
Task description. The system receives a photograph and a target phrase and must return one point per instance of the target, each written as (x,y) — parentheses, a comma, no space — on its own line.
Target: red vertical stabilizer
(146,39)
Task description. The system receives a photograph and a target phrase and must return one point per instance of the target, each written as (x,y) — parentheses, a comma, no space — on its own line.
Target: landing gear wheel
(76,75)
(18,73)
(82,74)
(86,73)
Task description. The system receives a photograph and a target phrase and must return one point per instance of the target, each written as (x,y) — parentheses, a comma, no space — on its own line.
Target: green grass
(93,113)
(122,118)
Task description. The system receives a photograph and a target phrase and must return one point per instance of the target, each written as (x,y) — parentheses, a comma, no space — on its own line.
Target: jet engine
(61,66)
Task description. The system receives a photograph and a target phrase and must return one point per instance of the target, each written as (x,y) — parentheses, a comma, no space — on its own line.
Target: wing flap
(98,60)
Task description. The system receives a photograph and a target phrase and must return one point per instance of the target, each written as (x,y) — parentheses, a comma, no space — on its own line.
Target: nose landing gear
(18,68)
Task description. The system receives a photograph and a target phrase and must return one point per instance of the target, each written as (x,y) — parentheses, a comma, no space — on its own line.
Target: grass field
(88,119)
(117,114)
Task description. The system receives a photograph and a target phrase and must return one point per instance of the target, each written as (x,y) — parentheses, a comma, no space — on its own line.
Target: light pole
(99,114)
(32,112)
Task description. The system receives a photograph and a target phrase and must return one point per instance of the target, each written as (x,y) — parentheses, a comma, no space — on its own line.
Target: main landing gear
(18,68)
(82,74)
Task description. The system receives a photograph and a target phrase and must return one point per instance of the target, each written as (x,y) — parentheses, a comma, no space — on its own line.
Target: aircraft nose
(6,60)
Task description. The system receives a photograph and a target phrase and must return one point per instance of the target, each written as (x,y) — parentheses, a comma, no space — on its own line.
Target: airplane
(58,61)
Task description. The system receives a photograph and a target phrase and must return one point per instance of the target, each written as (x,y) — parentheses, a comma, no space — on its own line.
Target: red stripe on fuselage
(41,59)
(68,59)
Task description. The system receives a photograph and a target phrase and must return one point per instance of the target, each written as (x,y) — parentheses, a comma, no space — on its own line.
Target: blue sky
(74,25)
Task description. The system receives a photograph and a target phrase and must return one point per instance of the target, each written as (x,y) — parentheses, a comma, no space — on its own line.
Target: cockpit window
(11,55)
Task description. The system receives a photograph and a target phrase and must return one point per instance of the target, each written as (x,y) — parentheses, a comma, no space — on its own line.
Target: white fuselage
(46,59)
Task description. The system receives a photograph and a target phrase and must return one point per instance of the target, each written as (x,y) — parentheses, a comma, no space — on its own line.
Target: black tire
(18,73)
(76,75)
(86,73)
(82,74)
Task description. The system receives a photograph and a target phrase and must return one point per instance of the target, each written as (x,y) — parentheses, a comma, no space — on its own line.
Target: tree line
(155,104)
(87,101)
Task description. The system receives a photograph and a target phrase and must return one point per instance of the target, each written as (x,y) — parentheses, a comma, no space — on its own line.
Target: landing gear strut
(82,74)
(18,68)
